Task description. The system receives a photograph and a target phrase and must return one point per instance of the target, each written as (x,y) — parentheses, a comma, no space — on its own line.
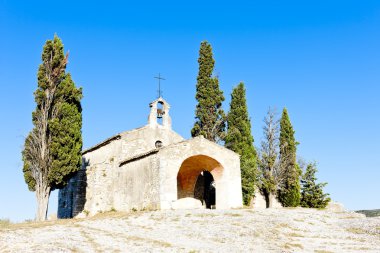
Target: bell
(160,112)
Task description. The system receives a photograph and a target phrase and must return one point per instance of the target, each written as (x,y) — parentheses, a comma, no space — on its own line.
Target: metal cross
(159,84)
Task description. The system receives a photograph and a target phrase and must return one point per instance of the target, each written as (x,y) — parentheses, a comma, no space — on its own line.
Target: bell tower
(159,111)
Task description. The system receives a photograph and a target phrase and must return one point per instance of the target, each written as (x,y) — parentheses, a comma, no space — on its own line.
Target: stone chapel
(151,168)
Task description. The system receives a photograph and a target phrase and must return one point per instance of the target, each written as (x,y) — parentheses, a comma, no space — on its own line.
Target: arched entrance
(198,178)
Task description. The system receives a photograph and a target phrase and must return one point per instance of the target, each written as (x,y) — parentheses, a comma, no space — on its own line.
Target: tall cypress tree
(52,150)
(289,193)
(209,115)
(239,139)
(66,131)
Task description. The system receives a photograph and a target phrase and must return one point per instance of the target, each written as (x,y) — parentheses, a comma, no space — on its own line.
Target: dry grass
(234,215)
(112,214)
(295,235)
(204,215)
(293,245)
(349,217)
(35,224)
(90,240)
(356,230)
(152,241)
(283,225)
(5,223)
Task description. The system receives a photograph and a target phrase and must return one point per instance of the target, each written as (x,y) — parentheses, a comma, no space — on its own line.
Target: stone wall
(136,185)
(65,200)
(101,185)
(133,185)
(72,197)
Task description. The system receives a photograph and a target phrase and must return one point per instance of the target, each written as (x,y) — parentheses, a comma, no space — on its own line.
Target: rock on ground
(243,230)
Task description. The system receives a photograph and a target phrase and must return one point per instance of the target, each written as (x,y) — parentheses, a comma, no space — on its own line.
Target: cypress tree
(312,193)
(289,194)
(52,150)
(66,131)
(209,115)
(239,139)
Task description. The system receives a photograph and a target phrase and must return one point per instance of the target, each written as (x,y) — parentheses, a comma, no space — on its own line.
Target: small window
(158,144)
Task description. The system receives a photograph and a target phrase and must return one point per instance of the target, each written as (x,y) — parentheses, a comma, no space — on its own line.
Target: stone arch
(190,171)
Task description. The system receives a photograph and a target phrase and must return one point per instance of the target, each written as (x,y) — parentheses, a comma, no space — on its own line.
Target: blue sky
(320,59)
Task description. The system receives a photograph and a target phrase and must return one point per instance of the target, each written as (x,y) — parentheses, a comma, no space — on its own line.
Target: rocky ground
(243,230)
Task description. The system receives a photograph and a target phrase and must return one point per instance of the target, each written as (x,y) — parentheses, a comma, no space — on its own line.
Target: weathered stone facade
(152,167)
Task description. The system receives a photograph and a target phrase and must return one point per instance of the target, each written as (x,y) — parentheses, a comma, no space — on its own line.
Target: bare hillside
(271,230)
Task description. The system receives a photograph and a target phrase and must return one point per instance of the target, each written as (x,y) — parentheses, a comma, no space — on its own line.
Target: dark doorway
(204,189)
